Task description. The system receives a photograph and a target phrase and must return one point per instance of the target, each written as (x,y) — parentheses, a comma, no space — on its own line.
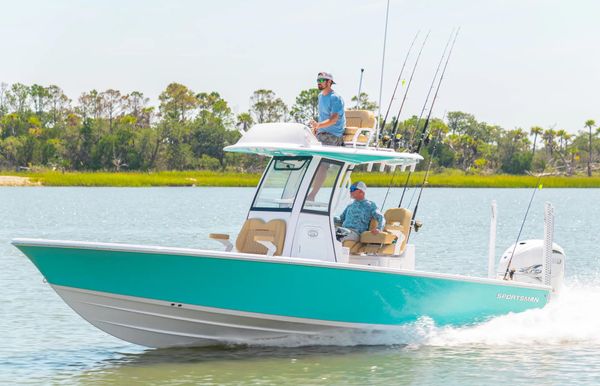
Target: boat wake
(571,318)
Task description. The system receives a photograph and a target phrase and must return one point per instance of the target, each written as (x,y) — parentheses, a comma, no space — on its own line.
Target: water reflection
(473,364)
(262,365)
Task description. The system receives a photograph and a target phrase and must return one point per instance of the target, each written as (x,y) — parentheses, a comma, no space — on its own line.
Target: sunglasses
(321,80)
(353,189)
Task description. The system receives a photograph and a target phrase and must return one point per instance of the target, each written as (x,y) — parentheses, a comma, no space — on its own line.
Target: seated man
(357,216)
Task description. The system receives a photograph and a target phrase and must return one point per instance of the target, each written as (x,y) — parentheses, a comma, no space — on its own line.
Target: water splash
(570,318)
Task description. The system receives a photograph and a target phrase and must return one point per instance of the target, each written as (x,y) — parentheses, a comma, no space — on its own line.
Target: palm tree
(563,136)
(589,124)
(548,138)
(535,131)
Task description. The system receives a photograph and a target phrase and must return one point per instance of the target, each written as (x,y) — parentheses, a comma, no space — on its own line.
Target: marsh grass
(131,179)
(458,179)
(450,178)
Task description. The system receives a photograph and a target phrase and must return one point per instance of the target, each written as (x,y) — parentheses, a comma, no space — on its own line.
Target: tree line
(40,126)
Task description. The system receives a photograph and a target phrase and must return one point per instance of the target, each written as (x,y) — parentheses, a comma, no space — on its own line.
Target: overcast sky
(516,63)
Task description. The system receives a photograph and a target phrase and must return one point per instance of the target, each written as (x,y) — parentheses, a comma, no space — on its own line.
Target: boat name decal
(520,298)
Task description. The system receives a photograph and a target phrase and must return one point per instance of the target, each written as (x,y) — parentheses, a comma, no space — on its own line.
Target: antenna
(359,87)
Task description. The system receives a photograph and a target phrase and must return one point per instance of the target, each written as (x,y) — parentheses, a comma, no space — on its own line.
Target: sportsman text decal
(519,298)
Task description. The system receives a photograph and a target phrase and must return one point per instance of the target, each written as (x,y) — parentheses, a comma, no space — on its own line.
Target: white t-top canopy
(295,139)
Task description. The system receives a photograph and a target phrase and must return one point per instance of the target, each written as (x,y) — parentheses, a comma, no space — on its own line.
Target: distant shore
(453,179)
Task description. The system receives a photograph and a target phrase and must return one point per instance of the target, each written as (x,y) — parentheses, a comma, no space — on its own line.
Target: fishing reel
(417,224)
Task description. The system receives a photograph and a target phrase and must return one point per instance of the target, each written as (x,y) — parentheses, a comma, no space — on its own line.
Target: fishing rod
(395,126)
(398,80)
(413,222)
(377,127)
(537,186)
(425,104)
(431,86)
(426,125)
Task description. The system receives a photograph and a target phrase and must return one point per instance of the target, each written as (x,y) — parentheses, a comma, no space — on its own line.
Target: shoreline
(447,179)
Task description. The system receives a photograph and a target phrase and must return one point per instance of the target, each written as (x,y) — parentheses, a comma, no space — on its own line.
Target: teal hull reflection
(281,287)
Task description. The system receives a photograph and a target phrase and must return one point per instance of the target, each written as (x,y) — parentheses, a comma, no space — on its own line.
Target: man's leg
(351,235)
(320,177)
(329,139)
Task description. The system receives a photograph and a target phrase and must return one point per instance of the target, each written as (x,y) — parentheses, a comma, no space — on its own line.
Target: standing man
(332,121)
(358,215)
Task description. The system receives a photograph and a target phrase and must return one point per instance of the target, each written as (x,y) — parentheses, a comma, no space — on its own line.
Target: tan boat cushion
(360,118)
(398,219)
(273,230)
(380,238)
(360,139)
(383,243)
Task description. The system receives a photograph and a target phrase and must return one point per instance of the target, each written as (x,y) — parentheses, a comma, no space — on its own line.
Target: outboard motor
(527,263)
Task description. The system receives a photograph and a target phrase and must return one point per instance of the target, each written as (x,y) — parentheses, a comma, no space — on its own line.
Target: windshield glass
(281,183)
(321,187)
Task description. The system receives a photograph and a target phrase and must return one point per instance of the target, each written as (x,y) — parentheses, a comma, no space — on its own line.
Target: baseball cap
(358,185)
(325,75)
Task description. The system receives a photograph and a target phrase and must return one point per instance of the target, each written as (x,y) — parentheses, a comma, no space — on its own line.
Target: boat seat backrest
(360,126)
(397,220)
(360,119)
(246,243)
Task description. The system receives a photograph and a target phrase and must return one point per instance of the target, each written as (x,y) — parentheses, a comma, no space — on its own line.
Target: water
(42,341)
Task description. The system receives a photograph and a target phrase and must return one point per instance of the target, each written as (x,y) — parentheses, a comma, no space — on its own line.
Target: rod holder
(548,241)
(492,245)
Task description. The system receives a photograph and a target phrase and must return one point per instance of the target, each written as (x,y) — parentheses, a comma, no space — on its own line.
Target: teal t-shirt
(329,104)
(358,215)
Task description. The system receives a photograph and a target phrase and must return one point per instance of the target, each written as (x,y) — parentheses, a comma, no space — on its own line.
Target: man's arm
(332,120)
(343,215)
(376,214)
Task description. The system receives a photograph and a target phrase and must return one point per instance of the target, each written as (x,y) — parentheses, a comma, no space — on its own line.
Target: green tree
(535,131)
(363,103)
(244,121)
(40,97)
(590,123)
(548,137)
(266,107)
(177,101)
(113,103)
(59,104)
(18,98)
(91,105)
(306,107)
(3,101)
(514,152)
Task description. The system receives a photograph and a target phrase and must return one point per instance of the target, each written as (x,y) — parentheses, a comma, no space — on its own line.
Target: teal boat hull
(295,292)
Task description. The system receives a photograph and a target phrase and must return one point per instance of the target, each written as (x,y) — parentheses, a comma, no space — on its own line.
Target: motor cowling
(527,263)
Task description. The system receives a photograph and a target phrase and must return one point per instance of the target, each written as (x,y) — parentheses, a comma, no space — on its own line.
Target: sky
(515,64)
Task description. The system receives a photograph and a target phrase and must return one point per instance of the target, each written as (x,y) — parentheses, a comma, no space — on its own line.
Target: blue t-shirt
(329,104)
(358,215)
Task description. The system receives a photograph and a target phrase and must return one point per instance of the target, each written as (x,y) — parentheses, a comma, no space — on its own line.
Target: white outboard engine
(527,263)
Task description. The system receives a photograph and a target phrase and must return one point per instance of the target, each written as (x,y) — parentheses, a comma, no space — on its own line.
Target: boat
(286,274)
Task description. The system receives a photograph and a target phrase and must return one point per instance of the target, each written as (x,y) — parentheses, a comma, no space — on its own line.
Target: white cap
(360,185)
(326,75)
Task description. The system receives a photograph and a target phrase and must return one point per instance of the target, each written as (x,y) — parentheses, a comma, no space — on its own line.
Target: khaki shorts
(329,139)
(350,234)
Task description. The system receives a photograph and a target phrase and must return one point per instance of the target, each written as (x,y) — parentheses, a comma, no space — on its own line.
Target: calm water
(42,341)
